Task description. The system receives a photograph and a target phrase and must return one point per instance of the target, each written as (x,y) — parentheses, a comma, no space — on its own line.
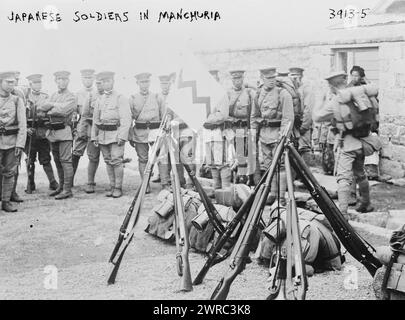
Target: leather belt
(147,125)
(107,127)
(55,125)
(8,132)
(271,124)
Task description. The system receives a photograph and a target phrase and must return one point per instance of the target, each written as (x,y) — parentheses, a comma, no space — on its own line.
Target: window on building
(367,58)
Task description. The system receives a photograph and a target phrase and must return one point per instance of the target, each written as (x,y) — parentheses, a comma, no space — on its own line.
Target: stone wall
(316,59)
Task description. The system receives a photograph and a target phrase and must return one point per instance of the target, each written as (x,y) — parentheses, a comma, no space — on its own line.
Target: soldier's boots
(353,194)
(164,175)
(344,199)
(119,177)
(75,163)
(90,187)
(111,177)
(67,182)
(216,176)
(7,187)
(53,184)
(365,204)
(59,189)
(31,179)
(226,177)
(14,195)
(275,191)
(91,173)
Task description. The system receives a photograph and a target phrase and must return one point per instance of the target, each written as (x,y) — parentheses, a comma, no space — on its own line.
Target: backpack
(362,121)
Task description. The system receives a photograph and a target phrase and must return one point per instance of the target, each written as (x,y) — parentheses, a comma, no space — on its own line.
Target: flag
(196,94)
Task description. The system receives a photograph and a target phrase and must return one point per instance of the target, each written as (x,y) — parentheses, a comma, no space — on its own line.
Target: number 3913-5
(348,13)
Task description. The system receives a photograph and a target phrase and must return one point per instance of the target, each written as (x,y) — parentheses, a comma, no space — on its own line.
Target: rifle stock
(241,249)
(350,239)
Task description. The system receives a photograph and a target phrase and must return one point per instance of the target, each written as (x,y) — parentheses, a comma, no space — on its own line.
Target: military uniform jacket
(273,105)
(64,104)
(36,99)
(86,119)
(12,116)
(149,107)
(240,103)
(82,98)
(111,109)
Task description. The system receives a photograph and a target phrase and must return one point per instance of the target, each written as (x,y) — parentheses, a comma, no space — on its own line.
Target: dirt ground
(77,236)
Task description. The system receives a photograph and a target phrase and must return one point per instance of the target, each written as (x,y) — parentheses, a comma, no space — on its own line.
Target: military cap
(335,75)
(87,72)
(296,71)
(104,75)
(9,75)
(165,78)
(34,77)
(269,72)
(235,74)
(214,72)
(62,74)
(143,76)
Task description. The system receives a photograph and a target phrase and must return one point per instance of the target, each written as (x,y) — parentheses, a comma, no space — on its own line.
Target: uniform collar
(237,89)
(62,91)
(35,93)
(145,93)
(108,93)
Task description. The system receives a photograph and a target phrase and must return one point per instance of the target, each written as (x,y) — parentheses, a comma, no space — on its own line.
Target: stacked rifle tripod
(289,280)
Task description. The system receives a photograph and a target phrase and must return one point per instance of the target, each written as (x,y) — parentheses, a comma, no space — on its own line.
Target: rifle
(212,212)
(213,256)
(182,241)
(351,240)
(28,160)
(131,218)
(242,247)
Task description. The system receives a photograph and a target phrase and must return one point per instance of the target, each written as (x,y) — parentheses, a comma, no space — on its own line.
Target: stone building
(376,42)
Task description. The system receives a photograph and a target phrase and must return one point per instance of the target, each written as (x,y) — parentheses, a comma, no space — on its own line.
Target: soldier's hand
(18,152)
(95,143)
(31,131)
(121,142)
(132,143)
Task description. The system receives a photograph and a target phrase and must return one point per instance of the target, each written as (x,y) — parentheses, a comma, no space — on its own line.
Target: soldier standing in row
(81,141)
(13,134)
(304,125)
(19,92)
(147,110)
(84,128)
(273,110)
(350,158)
(59,108)
(111,124)
(241,100)
(37,143)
